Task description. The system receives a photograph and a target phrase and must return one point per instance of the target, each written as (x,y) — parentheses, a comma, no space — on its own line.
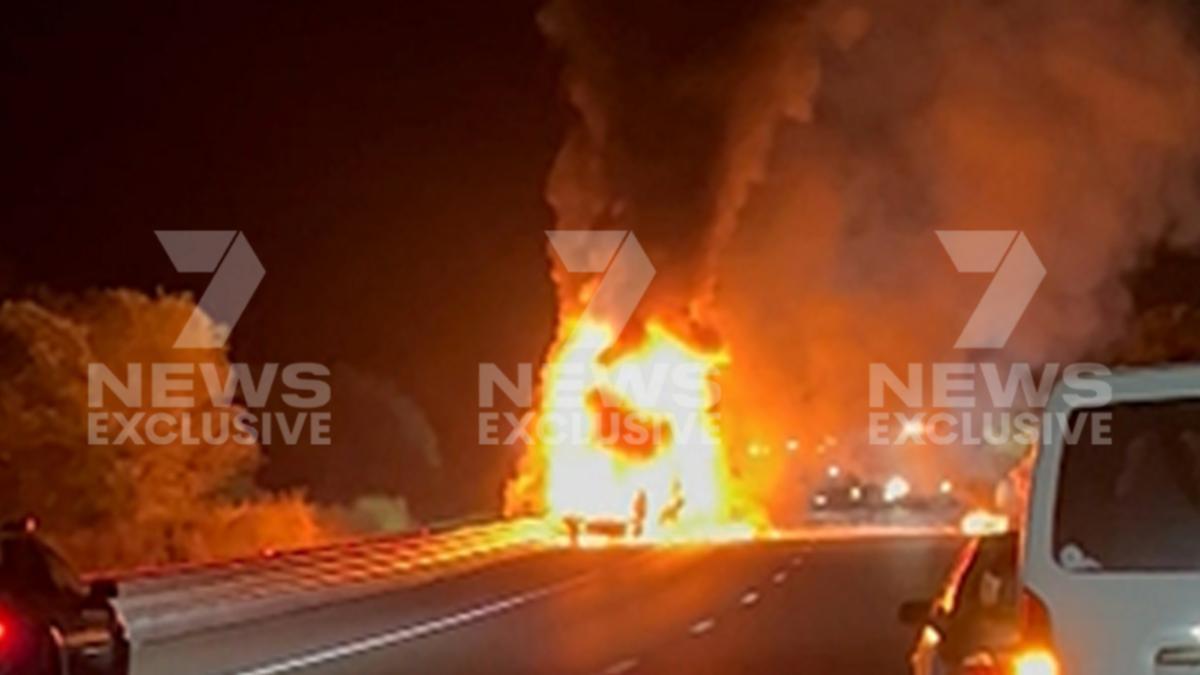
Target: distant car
(840,492)
(1106,579)
(50,621)
(848,498)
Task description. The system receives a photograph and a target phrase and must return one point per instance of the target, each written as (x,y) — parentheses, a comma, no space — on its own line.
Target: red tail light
(1034,618)
(3,632)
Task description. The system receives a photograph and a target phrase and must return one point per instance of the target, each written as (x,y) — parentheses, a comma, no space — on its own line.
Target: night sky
(386,161)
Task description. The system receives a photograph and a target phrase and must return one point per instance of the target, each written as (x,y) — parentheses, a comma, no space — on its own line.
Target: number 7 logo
(1018,274)
(627,271)
(236,273)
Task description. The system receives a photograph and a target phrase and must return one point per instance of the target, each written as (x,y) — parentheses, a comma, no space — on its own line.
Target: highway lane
(834,614)
(244,648)
(791,606)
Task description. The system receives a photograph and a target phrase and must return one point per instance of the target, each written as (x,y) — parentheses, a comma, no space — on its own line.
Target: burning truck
(628,439)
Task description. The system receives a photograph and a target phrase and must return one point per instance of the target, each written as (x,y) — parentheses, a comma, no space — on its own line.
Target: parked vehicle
(51,623)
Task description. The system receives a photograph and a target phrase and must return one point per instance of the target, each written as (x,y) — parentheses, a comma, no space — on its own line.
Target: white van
(1104,577)
(1110,562)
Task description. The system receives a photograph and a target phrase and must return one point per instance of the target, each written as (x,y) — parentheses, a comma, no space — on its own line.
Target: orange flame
(631,435)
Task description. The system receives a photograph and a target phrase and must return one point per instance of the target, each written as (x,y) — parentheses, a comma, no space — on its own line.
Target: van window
(1133,503)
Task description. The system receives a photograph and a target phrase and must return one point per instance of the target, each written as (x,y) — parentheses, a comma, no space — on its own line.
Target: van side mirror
(915,612)
(103,589)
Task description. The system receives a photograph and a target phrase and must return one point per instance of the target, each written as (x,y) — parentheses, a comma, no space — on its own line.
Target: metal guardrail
(160,604)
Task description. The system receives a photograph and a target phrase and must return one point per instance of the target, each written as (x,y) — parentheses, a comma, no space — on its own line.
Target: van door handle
(1178,657)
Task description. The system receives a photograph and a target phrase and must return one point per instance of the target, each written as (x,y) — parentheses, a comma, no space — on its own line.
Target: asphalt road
(779,607)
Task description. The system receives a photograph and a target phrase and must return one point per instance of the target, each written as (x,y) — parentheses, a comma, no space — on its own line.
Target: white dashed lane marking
(750,598)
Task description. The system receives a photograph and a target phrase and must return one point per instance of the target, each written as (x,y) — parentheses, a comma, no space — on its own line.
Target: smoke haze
(796,159)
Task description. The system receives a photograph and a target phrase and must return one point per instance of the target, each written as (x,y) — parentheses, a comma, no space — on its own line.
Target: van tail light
(4,632)
(1034,619)
(1038,658)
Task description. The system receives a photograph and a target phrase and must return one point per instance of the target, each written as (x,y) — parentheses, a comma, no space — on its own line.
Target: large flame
(631,433)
